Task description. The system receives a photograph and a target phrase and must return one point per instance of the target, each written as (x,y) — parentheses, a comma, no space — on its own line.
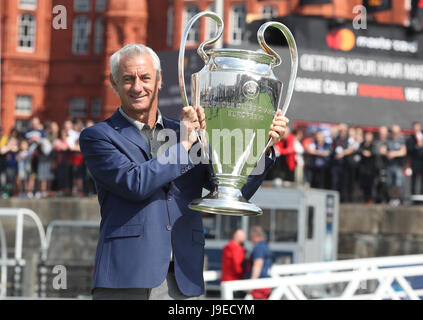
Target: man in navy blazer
(151,245)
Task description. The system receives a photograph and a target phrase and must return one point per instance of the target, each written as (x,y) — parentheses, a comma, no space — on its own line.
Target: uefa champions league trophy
(240,96)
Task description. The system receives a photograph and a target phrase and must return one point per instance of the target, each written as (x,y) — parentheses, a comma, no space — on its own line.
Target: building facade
(54,53)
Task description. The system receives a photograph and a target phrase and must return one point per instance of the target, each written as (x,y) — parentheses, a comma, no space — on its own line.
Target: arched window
(269,12)
(81,35)
(238,25)
(26,36)
(194,32)
(98,36)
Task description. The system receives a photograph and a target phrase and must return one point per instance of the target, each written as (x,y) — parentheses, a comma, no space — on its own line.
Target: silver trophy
(240,96)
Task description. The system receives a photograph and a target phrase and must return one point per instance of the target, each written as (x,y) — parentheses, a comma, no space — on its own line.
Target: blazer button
(168,227)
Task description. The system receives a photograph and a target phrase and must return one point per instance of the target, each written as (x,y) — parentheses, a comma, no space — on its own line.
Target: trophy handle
(293,51)
(200,49)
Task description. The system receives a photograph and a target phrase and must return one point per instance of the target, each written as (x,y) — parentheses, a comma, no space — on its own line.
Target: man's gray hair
(132,50)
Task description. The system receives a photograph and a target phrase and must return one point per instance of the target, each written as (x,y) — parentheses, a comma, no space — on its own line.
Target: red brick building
(54,53)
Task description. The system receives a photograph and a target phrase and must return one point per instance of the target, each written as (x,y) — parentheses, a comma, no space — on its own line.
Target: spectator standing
(24,168)
(299,156)
(381,162)
(308,171)
(62,150)
(89,185)
(287,160)
(367,166)
(319,150)
(339,150)
(76,161)
(33,136)
(45,175)
(260,261)
(415,152)
(233,256)
(3,141)
(10,151)
(396,152)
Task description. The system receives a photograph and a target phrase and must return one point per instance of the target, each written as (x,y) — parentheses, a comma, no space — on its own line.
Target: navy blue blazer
(144,208)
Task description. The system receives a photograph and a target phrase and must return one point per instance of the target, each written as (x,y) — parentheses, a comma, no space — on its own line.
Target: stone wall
(379,230)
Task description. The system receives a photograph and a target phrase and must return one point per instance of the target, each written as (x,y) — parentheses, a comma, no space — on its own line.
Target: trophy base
(226,201)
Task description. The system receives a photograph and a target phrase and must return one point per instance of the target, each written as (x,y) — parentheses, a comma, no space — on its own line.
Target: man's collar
(138,124)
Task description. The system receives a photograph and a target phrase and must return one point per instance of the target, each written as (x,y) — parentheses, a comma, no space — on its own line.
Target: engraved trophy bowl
(240,96)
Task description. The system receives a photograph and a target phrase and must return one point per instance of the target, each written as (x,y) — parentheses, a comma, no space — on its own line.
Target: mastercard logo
(342,39)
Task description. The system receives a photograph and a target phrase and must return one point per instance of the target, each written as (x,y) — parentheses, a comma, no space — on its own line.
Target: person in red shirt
(233,256)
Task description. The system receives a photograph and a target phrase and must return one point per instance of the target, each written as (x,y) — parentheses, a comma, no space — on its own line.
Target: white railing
(374,278)
(18,261)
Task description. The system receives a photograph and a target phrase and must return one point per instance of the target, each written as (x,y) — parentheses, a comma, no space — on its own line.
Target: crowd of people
(43,161)
(362,165)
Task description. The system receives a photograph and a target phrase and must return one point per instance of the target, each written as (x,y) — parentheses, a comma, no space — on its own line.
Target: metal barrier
(18,262)
(62,253)
(374,278)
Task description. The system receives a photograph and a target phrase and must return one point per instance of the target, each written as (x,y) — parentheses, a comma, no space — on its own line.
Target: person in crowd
(10,150)
(415,152)
(308,160)
(45,160)
(3,141)
(259,262)
(23,159)
(381,161)
(34,135)
(320,152)
(76,162)
(72,134)
(286,159)
(233,256)
(367,167)
(396,152)
(340,149)
(89,185)
(299,155)
(62,150)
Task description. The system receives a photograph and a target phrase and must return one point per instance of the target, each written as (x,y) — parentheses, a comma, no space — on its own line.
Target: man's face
(137,84)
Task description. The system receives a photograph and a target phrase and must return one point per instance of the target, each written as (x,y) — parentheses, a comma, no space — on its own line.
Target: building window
(96,107)
(81,35)
(28,4)
(26,37)
(82,5)
(194,32)
(169,33)
(98,36)
(100,5)
(77,107)
(238,24)
(269,12)
(23,105)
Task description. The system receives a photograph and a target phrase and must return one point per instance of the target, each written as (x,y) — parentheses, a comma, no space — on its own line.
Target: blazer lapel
(172,125)
(126,129)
